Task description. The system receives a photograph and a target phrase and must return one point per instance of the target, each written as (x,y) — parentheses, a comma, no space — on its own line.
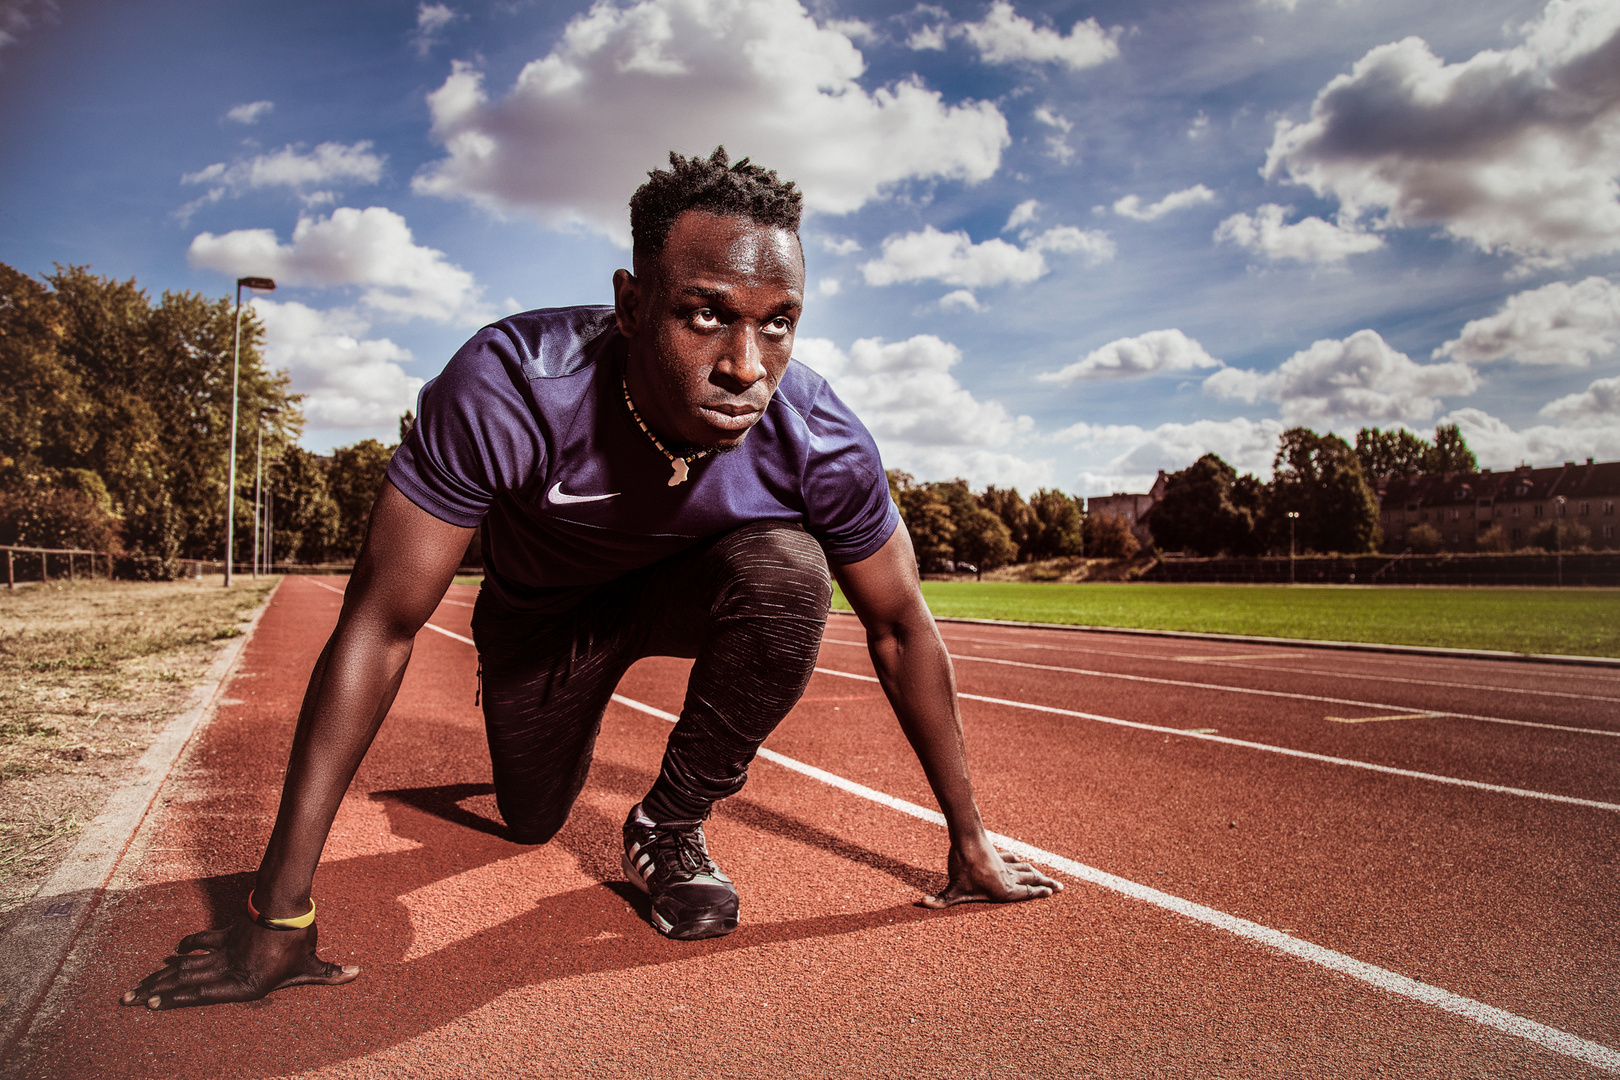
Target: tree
(1450,452)
(983,540)
(1015,514)
(1320,477)
(101,381)
(1199,513)
(1109,536)
(1057,529)
(1399,453)
(354,479)
(306,518)
(1388,454)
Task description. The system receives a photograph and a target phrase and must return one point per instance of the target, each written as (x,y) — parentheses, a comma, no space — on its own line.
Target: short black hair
(715,186)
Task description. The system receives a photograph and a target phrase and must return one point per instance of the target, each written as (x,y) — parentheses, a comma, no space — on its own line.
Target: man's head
(711,309)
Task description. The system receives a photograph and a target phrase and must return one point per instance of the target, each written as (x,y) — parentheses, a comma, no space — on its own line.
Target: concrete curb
(35,949)
(1358,646)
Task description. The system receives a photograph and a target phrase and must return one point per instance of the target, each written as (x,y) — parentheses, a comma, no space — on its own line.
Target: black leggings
(750,606)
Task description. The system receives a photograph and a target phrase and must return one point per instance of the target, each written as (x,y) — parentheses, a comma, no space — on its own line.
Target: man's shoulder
(801,390)
(554,343)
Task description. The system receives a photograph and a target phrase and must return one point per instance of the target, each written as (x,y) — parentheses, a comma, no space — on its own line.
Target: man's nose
(744,362)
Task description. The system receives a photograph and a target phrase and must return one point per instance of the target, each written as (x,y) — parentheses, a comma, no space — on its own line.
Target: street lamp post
(266,285)
(258,485)
(1293,516)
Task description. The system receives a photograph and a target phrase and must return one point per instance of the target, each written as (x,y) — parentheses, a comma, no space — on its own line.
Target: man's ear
(628,302)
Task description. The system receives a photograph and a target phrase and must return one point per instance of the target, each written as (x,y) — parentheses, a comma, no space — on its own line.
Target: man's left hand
(991,880)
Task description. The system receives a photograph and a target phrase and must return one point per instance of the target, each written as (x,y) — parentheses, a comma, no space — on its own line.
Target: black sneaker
(691,897)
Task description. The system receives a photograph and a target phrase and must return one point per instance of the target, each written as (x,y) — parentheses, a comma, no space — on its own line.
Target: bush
(1423,539)
(141,566)
(70,510)
(1554,536)
(1492,539)
(1108,536)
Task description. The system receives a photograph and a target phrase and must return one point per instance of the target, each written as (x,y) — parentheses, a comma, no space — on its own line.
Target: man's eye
(705,319)
(779,326)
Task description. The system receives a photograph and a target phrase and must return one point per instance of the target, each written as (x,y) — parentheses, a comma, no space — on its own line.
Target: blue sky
(1049,244)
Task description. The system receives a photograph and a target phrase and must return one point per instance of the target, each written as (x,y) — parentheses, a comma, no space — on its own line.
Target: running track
(1281,862)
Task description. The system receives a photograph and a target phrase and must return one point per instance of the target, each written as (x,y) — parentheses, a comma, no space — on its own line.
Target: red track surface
(481,957)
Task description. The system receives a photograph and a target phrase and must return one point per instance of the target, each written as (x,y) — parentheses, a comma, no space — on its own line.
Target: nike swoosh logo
(558,496)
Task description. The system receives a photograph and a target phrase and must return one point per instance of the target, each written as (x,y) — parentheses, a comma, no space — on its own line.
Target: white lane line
(448,634)
(1307,755)
(428,626)
(1381,706)
(1554,1039)
(1228,661)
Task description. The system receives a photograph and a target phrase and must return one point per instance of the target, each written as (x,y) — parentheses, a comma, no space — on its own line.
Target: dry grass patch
(89,674)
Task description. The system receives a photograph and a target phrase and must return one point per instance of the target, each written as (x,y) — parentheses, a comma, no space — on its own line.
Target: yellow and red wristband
(268,923)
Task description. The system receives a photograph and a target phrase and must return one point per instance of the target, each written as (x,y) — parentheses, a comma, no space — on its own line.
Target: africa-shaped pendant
(680,470)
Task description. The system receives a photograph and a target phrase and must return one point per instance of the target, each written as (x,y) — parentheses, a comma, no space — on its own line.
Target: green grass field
(1571,622)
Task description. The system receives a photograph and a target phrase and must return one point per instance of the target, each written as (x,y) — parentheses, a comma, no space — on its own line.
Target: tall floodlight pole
(1293,516)
(1558,540)
(266,285)
(258,485)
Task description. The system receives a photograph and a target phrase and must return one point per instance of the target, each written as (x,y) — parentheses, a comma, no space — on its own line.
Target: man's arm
(916,674)
(407,563)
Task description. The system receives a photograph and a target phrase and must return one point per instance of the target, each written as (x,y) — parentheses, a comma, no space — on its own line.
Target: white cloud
(347,382)
(960,298)
(1199,125)
(841,245)
(1022,214)
(431,19)
(1513,151)
(829,286)
(928,39)
(1125,457)
(370,248)
(1597,404)
(251,112)
(17,17)
(1358,380)
(953,258)
(1559,323)
(1057,146)
(1498,446)
(625,84)
(1005,37)
(924,421)
(328,163)
(1131,206)
(1312,240)
(1145,354)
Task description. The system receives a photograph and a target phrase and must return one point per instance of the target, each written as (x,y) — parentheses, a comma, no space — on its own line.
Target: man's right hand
(243,962)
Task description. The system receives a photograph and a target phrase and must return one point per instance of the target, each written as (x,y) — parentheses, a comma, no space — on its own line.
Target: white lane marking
(1252,691)
(1554,1039)
(1016,644)
(448,634)
(1307,755)
(429,626)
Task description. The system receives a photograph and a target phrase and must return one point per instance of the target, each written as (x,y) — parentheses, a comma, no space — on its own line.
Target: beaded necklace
(676,461)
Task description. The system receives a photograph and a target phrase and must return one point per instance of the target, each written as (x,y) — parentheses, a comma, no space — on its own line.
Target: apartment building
(1461,506)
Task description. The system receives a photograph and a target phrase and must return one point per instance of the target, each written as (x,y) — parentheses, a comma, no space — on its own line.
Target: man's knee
(773,566)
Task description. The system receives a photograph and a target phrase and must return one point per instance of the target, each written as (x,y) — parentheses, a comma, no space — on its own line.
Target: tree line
(1207,508)
(115,424)
(115,429)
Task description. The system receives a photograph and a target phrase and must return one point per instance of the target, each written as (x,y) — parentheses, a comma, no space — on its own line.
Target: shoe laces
(679,851)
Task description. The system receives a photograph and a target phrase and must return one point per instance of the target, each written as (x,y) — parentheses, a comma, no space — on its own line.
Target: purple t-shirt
(526,431)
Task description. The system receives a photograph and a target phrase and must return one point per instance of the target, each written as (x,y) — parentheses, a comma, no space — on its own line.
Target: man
(658,478)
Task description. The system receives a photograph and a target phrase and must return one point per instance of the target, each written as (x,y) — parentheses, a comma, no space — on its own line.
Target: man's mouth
(730,417)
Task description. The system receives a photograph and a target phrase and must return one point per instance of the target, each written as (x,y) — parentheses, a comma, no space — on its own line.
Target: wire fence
(45,565)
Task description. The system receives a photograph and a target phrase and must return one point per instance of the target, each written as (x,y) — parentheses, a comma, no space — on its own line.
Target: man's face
(711,324)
